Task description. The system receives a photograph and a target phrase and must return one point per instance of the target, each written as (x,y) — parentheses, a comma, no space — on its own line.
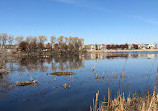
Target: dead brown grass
(135,103)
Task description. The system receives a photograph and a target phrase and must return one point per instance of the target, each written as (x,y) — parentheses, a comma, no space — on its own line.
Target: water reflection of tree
(93,56)
(28,63)
(33,64)
(60,62)
(66,62)
(4,85)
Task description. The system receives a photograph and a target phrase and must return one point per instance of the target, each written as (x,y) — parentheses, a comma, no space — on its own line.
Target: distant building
(130,46)
(89,47)
(146,46)
(156,45)
(151,46)
(101,46)
(92,47)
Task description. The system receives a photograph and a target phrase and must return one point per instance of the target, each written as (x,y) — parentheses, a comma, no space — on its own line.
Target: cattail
(90,108)
(96,101)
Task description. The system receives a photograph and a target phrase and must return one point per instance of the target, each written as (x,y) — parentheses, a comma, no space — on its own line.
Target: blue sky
(97,21)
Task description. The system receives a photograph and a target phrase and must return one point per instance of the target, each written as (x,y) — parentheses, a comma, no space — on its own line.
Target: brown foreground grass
(120,103)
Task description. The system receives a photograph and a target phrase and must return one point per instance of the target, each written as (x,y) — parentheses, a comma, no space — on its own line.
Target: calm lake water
(139,69)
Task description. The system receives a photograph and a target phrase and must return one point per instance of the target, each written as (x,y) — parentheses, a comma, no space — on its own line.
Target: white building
(146,46)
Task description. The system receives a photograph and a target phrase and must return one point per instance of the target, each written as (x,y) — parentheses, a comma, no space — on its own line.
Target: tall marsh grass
(135,103)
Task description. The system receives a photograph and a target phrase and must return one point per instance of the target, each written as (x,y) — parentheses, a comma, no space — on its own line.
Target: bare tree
(48,46)
(34,39)
(19,39)
(10,39)
(23,46)
(66,40)
(4,39)
(53,40)
(42,39)
(60,39)
(1,40)
(33,44)
(70,40)
(28,39)
(80,43)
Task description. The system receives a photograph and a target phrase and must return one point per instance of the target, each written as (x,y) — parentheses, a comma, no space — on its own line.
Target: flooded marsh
(70,82)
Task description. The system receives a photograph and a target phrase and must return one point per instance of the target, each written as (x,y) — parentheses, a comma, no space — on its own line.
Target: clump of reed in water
(136,103)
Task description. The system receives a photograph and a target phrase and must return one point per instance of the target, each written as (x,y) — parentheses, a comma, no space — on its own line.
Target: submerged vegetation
(31,82)
(62,73)
(26,83)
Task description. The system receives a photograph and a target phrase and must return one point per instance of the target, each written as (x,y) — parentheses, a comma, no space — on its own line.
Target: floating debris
(62,73)
(66,86)
(31,82)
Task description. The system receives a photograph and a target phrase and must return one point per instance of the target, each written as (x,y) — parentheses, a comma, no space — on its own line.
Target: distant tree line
(38,44)
(122,46)
(135,46)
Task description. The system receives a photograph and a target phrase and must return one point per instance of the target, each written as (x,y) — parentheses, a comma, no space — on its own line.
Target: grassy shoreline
(136,50)
(135,103)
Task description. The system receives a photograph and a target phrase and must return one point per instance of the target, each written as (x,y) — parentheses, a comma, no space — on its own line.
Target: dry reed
(95,65)
(135,103)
